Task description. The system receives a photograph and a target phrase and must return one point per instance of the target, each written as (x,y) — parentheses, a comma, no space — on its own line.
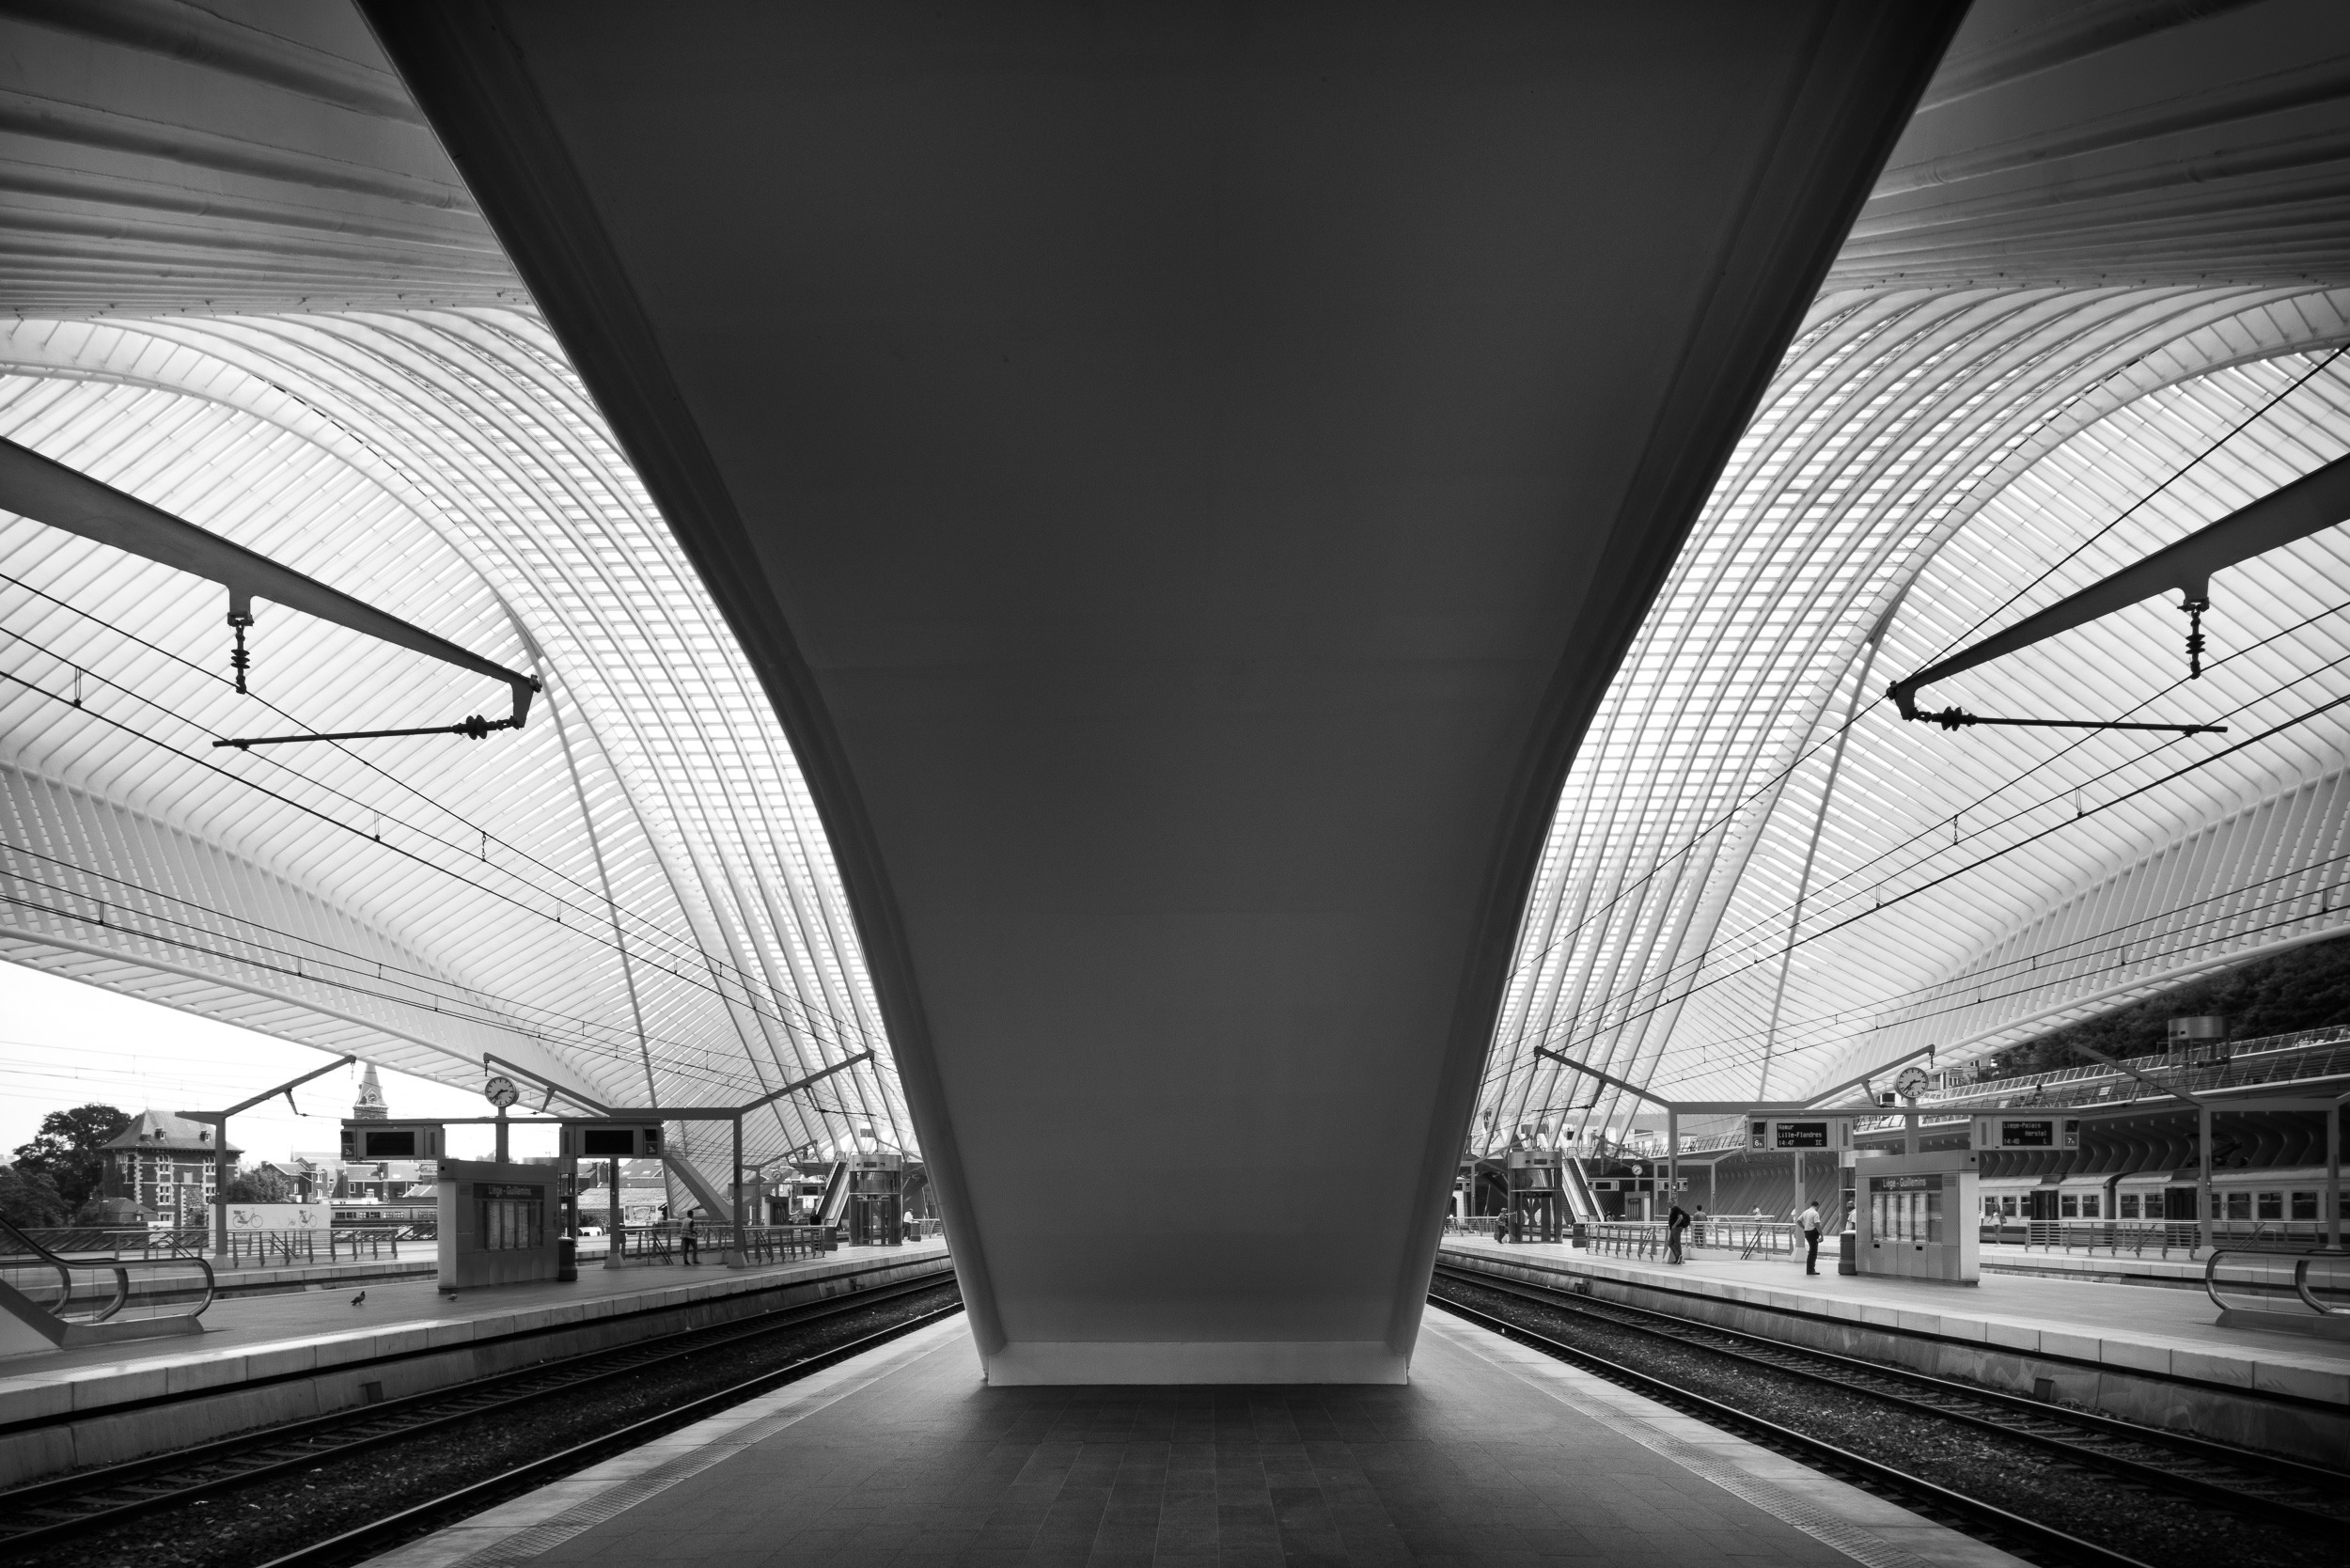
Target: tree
(265,1184)
(67,1148)
(29,1199)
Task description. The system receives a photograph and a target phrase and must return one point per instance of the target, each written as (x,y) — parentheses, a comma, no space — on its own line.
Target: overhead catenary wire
(1768,786)
(587,899)
(1734,961)
(580,929)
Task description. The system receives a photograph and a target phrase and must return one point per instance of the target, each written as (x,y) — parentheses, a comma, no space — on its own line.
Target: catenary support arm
(48,492)
(2308,505)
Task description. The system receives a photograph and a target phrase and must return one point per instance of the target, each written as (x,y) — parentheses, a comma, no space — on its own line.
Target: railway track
(2279,1493)
(53,1515)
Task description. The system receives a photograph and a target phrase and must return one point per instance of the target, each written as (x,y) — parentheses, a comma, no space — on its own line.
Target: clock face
(500,1091)
(1911,1083)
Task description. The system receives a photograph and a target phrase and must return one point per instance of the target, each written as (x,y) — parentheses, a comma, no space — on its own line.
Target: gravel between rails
(2156,1527)
(245,1526)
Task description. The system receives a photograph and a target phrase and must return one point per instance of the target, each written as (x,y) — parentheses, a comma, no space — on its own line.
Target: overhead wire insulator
(239,617)
(2195,608)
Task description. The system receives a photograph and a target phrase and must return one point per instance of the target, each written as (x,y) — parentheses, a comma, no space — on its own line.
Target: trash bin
(1848,1253)
(566,1260)
(1581,1237)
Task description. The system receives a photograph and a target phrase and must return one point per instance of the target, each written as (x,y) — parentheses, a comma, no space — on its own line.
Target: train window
(2089,1205)
(2129,1205)
(2305,1205)
(2239,1205)
(2069,1206)
(2272,1205)
(2007,1206)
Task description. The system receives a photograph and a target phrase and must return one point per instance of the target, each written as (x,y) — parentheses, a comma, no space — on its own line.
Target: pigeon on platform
(359,1299)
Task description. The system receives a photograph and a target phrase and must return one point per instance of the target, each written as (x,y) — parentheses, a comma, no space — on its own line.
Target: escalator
(51,1300)
(835,1205)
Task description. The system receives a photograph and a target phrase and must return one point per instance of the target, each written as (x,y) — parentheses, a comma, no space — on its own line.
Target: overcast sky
(63,1044)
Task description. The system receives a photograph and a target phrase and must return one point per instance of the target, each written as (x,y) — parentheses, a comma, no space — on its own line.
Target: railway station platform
(1492,1456)
(269,1358)
(2158,1357)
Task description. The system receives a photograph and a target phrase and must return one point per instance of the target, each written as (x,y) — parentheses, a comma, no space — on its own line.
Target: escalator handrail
(121,1271)
(2301,1285)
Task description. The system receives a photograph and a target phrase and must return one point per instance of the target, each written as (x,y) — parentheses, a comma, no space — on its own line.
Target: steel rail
(2256,1467)
(356,1544)
(462,1402)
(2037,1536)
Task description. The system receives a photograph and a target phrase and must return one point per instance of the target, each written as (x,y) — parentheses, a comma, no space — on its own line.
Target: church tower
(370,1105)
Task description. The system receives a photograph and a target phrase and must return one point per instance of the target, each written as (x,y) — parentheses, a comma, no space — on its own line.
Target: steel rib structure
(631,897)
(2090,308)
(1761,881)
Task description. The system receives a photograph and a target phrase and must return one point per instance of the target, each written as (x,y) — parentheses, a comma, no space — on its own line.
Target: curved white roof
(2092,307)
(1761,881)
(631,897)
(2092,304)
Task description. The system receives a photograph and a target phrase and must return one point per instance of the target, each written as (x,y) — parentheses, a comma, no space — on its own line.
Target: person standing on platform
(690,1244)
(1676,1225)
(1808,1223)
(1696,1226)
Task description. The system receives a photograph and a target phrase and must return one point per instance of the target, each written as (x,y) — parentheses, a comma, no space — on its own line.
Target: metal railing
(776,1243)
(666,1242)
(2271,1059)
(85,1290)
(1629,1238)
(1749,1238)
(2136,1238)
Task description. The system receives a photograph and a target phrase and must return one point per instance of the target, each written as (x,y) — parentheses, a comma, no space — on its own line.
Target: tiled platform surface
(2171,1332)
(268,1336)
(1493,1456)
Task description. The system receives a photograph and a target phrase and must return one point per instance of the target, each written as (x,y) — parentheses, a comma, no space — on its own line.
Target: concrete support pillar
(1672,1158)
(220,1191)
(2203,1194)
(2333,1176)
(734,1255)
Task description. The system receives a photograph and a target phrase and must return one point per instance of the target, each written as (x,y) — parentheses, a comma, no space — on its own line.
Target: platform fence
(2161,1238)
(666,1242)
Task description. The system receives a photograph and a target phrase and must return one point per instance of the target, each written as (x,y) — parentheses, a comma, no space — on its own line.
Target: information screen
(513,1216)
(1802,1134)
(1905,1208)
(607,1140)
(2026,1135)
(400,1145)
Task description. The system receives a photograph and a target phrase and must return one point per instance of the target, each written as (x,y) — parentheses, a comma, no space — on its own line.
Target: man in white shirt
(1808,1223)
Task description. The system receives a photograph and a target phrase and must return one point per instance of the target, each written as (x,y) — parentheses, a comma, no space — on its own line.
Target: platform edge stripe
(1862,1545)
(713,1441)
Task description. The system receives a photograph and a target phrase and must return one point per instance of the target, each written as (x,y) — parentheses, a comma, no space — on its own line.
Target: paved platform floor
(2168,1330)
(252,1334)
(1493,1456)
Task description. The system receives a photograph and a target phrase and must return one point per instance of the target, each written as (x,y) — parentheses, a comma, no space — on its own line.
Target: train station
(1174,786)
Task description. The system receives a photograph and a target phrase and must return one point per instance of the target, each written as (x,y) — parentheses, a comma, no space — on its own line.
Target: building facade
(160,1169)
